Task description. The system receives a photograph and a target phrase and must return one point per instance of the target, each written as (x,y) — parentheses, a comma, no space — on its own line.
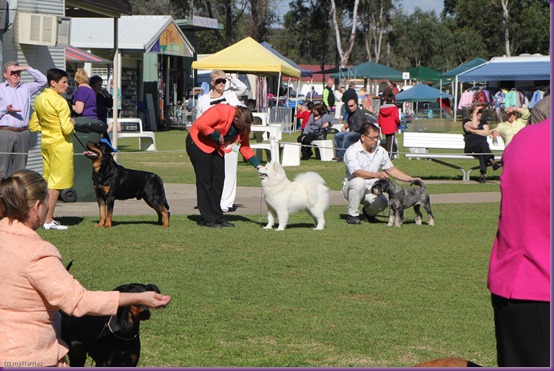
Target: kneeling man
(363,160)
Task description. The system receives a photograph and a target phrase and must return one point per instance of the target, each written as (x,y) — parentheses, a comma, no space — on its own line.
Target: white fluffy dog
(307,192)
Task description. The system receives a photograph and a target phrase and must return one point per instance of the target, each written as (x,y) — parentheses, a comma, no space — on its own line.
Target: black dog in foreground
(403,198)
(111,341)
(114,182)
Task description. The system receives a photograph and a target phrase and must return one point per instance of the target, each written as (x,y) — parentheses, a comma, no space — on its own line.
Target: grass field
(347,296)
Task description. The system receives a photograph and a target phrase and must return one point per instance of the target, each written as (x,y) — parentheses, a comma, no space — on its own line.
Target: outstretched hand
(154,300)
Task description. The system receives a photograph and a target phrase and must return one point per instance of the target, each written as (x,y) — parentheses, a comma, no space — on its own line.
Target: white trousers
(230,183)
(356,192)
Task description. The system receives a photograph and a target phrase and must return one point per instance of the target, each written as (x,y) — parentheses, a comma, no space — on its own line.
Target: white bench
(290,155)
(272,149)
(326,149)
(132,128)
(419,144)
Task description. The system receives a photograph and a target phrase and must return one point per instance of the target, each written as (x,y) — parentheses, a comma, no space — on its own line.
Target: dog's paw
(281,228)
(318,228)
(268,227)
(431,222)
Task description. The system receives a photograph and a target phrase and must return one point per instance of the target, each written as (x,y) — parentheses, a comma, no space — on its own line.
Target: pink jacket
(520,260)
(34,285)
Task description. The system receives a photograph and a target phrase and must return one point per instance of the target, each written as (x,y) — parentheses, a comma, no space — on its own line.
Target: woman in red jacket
(220,129)
(388,121)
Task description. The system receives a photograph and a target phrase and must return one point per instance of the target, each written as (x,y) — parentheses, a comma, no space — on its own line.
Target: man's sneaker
(54,225)
(353,219)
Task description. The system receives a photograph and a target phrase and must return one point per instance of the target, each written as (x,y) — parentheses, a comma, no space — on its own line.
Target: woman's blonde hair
(19,192)
(216,73)
(81,76)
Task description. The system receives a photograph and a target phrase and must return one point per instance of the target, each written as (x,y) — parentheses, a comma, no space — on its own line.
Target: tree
(344,54)
(506,25)
(375,19)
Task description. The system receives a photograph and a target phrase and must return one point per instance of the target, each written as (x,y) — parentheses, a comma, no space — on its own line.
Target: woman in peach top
(35,283)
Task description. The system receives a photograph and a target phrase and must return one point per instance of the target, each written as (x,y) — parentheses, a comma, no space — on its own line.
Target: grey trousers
(14,149)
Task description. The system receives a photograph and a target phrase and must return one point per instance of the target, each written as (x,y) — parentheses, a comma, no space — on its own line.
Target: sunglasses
(15,72)
(220,81)
(352,105)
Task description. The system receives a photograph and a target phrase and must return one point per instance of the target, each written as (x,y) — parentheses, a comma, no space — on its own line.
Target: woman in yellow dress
(52,118)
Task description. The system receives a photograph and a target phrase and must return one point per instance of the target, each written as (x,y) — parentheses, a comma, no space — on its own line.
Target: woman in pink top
(519,271)
(35,283)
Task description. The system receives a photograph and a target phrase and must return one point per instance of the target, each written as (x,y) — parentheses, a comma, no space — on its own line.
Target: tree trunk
(506,23)
(344,55)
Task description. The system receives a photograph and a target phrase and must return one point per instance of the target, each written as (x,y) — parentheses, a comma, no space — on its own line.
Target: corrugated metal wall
(36,56)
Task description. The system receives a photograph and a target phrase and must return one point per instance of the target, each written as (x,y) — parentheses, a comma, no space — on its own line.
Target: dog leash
(79,140)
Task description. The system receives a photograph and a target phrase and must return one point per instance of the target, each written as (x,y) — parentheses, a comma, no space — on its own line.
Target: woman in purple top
(519,271)
(84,99)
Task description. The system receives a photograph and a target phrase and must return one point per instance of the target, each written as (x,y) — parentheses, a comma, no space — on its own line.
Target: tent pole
(116,77)
(440,99)
(455,97)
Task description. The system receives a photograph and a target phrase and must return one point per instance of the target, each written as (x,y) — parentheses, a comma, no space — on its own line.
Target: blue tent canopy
(303,72)
(534,67)
(421,93)
(462,68)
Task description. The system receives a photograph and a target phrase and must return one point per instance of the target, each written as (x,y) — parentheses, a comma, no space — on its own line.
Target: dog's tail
(418,182)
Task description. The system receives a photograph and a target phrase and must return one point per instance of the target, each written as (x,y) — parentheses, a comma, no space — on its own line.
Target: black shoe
(482,179)
(209,224)
(338,159)
(226,224)
(304,158)
(496,166)
(369,218)
(353,219)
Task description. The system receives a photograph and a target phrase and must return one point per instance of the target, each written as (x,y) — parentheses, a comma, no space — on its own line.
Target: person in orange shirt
(31,271)
(220,129)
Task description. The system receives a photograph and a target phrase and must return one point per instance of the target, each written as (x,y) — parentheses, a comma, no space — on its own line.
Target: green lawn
(171,162)
(348,296)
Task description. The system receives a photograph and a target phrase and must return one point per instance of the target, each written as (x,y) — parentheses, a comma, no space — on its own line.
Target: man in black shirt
(350,130)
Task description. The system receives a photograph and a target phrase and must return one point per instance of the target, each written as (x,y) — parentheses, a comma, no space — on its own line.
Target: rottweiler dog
(114,182)
(111,341)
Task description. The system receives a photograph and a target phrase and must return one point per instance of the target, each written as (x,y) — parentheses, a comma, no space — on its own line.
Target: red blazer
(219,118)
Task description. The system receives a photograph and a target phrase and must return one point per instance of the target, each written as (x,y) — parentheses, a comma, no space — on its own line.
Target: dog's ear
(152,287)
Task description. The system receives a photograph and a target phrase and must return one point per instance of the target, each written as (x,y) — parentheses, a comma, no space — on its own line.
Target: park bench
(418,145)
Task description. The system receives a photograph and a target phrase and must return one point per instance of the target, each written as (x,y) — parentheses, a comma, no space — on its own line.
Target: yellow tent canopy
(247,55)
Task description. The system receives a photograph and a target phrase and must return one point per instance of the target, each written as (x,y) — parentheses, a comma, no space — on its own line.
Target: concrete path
(249,201)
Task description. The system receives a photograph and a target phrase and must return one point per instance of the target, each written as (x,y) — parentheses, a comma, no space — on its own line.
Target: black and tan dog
(111,341)
(114,182)
(402,198)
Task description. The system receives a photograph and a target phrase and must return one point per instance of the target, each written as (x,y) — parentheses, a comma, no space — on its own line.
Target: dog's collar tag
(104,140)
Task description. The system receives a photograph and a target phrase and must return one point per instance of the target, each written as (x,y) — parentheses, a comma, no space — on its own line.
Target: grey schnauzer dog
(403,198)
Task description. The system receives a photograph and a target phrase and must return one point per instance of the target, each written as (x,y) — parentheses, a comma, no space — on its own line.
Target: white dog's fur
(307,192)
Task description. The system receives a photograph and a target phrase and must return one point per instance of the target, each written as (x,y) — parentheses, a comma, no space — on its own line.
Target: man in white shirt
(222,95)
(363,160)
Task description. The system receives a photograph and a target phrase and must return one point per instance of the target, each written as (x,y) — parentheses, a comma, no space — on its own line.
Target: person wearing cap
(221,94)
(506,130)
(476,131)
(52,118)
